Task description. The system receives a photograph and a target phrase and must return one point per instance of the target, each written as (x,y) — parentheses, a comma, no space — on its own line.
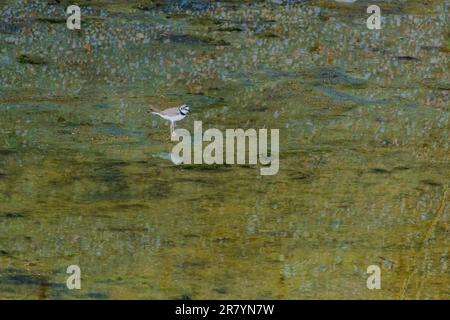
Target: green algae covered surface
(364,150)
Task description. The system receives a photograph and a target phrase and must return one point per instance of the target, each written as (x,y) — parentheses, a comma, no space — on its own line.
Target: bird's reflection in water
(172,157)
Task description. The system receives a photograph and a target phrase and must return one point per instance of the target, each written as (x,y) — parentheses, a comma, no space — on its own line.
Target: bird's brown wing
(170,112)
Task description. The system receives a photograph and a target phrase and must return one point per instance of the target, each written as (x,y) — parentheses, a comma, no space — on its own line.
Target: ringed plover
(172,114)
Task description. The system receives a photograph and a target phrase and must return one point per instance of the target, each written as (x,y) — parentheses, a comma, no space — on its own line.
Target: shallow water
(364,151)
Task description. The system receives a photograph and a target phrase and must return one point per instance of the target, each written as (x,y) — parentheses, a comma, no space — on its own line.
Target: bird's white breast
(177,117)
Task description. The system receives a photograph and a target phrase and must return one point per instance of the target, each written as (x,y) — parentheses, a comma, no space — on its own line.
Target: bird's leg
(172,129)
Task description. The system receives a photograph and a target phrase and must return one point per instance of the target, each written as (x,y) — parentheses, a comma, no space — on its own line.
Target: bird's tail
(153,110)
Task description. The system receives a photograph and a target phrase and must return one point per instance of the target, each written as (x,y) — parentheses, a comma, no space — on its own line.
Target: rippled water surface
(364,150)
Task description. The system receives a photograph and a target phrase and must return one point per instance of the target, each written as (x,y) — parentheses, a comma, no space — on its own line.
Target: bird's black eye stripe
(182,112)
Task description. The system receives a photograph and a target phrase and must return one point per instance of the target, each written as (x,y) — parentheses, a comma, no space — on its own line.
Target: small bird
(172,114)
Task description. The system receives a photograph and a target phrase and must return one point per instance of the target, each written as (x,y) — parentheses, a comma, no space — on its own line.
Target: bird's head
(184,109)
